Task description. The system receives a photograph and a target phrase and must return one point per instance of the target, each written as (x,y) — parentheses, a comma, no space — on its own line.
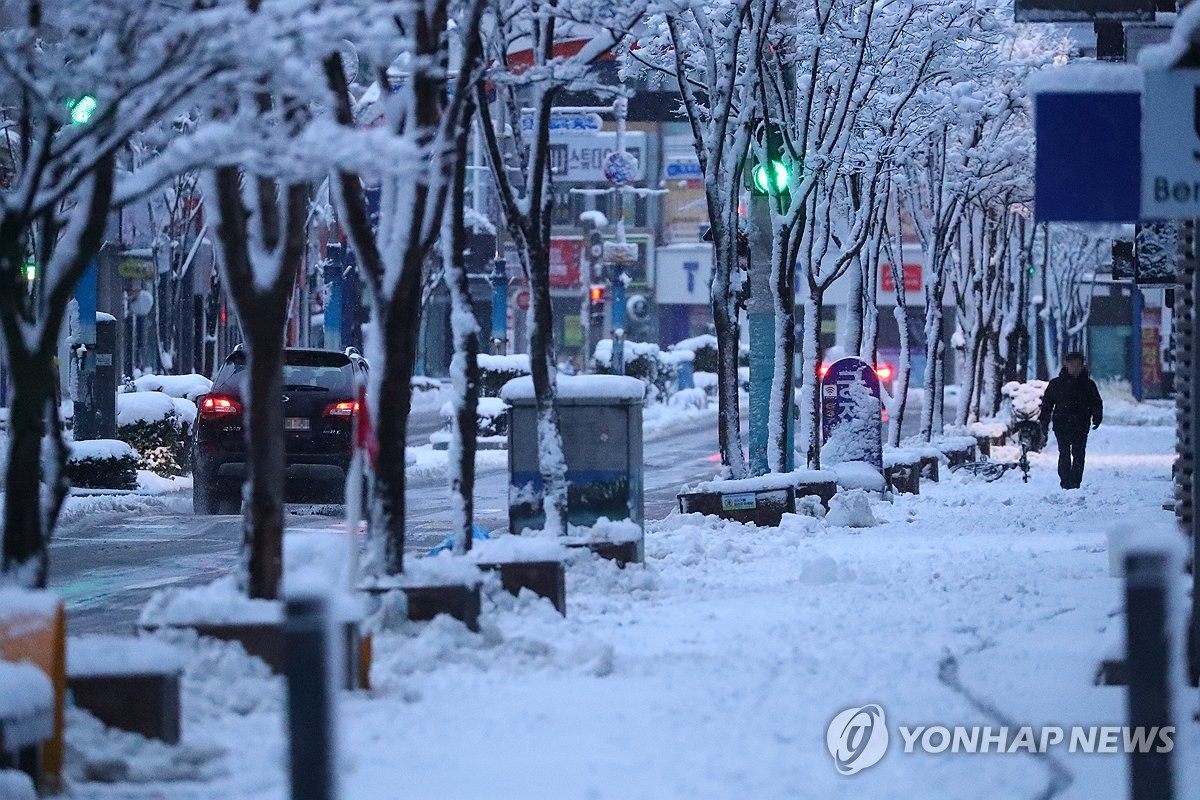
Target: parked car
(320,391)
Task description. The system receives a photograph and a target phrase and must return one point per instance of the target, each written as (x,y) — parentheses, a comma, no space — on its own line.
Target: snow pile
(187,387)
(693,399)
(851,509)
(25,691)
(895,456)
(185,411)
(218,602)
(508,549)
(858,475)
(23,606)
(135,407)
(518,362)
(765,483)
(15,785)
(488,408)
(426,463)
(1120,407)
(987,428)
(606,530)
(630,350)
(101,449)
(91,656)
(696,343)
(594,218)
(429,393)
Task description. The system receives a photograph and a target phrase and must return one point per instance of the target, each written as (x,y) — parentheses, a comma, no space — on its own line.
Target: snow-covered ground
(714,670)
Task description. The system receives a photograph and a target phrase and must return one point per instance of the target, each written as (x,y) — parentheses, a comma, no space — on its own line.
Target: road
(107,565)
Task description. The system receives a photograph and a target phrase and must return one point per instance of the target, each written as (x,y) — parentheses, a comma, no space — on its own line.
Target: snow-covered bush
(148,422)
(491,416)
(161,461)
(495,371)
(688,399)
(644,361)
(188,387)
(102,464)
(705,348)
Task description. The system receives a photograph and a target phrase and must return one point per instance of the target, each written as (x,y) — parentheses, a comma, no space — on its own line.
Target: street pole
(86,426)
(1135,339)
(620,111)
(761,312)
(499,281)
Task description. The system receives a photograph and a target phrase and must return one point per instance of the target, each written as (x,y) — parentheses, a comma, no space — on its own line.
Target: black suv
(320,400)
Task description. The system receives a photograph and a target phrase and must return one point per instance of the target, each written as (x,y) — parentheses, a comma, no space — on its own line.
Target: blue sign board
(1089,157)
(850,397)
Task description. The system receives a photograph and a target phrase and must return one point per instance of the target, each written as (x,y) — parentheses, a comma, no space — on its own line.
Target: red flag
(364,433)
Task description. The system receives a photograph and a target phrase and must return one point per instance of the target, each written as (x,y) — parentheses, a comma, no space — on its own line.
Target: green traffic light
(779,177)
(81,109)
(30,271)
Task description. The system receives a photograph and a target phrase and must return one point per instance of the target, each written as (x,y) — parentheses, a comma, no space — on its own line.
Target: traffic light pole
(499,281)
(87,425)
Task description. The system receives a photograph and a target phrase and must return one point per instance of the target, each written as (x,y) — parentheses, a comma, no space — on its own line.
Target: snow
(1087,76)
(16,785)
(102,316)
(595,218)
(851,509)
(766,483)
(893,456)
(25,691)
(604,348)
(101,449)
(185,411)
(606,530)
(187,387)
(858,475)
(600,387)
(134,407)
(696,343)
(93,656)
(508,549)
(444,569)
(28,607)
(518,362)
(714,669)
(425,462)
(488,407)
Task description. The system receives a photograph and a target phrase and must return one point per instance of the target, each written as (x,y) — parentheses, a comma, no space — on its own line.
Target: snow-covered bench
(127,683)
(762,500)
(957,449)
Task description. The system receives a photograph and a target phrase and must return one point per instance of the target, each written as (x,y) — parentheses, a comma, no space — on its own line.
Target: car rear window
(324,369)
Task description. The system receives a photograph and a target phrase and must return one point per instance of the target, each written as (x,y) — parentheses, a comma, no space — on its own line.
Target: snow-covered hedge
(188,387)
(150,423)
(495,371)
(705,349)
(491,416)
(644,361)
(102,464)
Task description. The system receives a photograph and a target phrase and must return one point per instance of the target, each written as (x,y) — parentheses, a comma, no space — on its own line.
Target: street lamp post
(499,281)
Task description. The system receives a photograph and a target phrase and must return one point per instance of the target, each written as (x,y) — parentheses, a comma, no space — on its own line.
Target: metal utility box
(600,420)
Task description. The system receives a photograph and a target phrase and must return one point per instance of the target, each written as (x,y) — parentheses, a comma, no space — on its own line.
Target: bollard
(310,701)
(1147,661)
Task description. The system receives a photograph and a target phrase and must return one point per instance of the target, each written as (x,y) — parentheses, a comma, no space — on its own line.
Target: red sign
(564,263)
(523,300)
(912,278)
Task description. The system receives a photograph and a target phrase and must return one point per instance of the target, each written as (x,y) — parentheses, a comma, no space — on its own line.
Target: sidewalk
(714,671)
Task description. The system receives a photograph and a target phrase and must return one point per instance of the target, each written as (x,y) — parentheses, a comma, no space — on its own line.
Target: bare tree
(76,88)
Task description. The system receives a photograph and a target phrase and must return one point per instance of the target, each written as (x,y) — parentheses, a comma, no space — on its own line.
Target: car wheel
(204,495)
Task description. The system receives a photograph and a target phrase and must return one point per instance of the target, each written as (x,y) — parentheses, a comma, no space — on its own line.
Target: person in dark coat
(1071,402)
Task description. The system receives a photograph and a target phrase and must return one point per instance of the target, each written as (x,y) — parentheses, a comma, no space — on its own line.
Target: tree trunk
(390,415)
(852,340)
(933,357)
(551,462)
(265,460)
(810,396)
(903,372)
(25,547)
(725,326)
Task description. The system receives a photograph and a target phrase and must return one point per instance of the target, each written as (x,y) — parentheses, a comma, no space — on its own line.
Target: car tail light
(215,405)
(884,371)
(346,409)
